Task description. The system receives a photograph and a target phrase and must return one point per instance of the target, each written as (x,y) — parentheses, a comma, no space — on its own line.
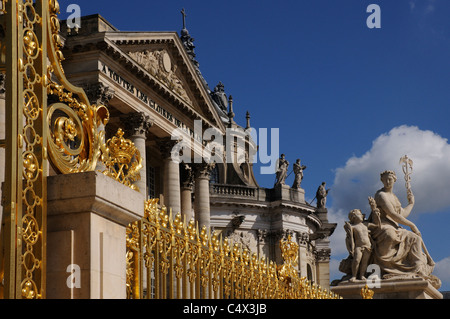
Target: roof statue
(282,169)
(219,97)
(298,171)
(321,195)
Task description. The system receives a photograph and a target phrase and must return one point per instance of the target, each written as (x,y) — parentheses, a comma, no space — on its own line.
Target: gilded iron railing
(24,195)
(169,258)
(47,120)
(166,258)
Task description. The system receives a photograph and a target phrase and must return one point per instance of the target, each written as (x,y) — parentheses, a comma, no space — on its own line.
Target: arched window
(214,177)
(309,274)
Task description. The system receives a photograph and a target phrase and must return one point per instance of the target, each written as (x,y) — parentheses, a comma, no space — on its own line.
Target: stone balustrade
(234,190)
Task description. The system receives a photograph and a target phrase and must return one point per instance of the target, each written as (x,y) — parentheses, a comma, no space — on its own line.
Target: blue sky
(348,100)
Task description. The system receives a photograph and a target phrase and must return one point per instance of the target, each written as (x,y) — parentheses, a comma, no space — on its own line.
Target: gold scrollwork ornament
(74,142)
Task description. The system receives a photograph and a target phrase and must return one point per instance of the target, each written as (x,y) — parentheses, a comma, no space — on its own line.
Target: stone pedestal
(322,213)
(86,247)
(416,288)
(298,195)
(282,192)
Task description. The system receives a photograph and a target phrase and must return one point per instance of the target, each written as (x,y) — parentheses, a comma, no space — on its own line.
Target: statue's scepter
(407,166)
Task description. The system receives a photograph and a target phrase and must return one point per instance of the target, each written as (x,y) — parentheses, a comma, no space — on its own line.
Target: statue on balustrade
(298,171)
(321,195)
(282,169)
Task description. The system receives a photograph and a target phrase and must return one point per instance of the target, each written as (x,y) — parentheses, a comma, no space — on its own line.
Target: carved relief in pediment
(159,64)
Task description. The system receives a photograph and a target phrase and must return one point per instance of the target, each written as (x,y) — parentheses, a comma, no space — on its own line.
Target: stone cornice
(94,193)
(218,200)
(323,229)
(109,43)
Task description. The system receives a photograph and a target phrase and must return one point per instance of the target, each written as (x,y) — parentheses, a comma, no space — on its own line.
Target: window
(309,274)
(151,179)
(214,177)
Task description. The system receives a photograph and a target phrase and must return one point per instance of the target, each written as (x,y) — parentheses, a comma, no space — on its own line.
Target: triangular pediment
(163,57)
(159,64)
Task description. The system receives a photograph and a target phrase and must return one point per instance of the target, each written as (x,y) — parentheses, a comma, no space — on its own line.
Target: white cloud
(334,269)
(442,270)
(337,243)
(430,178)
(360,178)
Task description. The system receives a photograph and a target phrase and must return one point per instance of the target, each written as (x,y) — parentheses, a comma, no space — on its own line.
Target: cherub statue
(358,241)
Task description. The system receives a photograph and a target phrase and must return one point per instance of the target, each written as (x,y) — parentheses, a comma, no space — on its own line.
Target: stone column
(187,178)
(171,187)
(137,126)
(201,201)
(86,244)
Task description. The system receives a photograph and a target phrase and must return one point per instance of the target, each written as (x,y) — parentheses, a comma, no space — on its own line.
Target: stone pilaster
(323,267)
(201,201)
(136,126)
(322,213)
(303,242)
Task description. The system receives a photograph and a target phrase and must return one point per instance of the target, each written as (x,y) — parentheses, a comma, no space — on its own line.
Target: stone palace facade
(152,85)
